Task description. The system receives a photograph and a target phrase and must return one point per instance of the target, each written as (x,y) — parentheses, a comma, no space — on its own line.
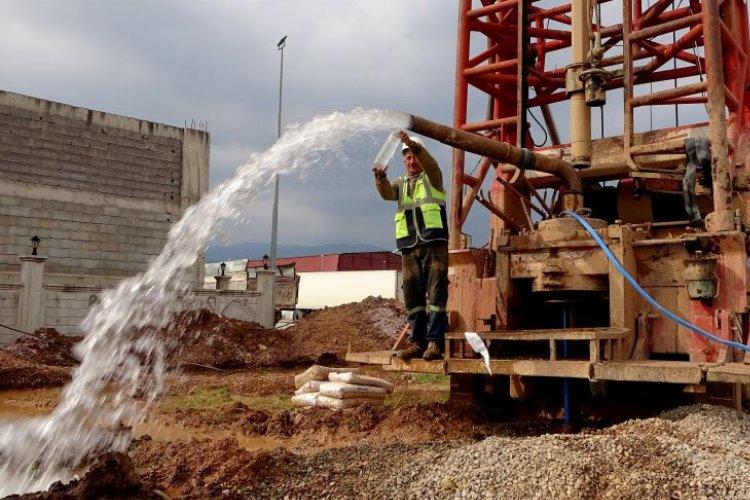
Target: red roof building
(355,261)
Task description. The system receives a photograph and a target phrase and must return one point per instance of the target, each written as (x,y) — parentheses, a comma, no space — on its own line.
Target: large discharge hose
(505,153)
(643,293)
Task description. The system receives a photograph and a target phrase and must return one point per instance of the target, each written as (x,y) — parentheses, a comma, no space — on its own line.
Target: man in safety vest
(422,237)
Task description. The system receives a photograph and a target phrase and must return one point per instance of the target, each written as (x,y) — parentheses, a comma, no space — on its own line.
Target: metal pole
(459,119)
(275,216)
(566,382)
(721,172)
(580,113)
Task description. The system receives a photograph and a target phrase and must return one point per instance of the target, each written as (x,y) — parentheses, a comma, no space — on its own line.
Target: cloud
(217,62)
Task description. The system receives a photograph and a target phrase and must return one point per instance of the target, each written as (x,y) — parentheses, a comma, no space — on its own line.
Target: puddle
(27,403)
(164,432)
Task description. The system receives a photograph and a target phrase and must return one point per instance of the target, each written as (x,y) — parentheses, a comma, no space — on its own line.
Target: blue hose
(643,293)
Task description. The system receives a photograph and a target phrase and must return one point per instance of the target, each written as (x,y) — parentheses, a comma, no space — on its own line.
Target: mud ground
(233,434)
(227,429)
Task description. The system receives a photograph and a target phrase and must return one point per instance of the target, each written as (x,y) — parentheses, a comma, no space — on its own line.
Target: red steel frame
(515,56)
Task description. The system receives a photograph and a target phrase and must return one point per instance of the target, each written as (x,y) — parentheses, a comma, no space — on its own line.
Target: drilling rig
(647,177)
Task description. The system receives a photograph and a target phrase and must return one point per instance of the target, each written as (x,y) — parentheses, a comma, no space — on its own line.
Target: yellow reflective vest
(420,217)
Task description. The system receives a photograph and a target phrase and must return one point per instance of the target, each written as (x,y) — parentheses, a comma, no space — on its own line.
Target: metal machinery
(673,204)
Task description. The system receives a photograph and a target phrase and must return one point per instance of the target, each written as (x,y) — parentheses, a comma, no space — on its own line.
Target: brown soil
(47,346)
(207,469)
(242,383)
(41,360)
(203,339)
(319,426)
(21,373)
(204,468)
(370,325)
(111,476)
(197,339)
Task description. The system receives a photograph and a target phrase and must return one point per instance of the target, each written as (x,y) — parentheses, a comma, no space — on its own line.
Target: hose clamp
(527,159)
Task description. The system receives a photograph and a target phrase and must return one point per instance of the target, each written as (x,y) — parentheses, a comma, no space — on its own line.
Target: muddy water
(25,404)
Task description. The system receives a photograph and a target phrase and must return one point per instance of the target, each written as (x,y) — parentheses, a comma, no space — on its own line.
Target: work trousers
(425,272)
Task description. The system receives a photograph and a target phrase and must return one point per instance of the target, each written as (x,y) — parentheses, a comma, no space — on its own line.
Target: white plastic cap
(404,147)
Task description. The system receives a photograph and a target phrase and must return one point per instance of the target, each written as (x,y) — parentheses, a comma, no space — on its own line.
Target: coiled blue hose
(643,293)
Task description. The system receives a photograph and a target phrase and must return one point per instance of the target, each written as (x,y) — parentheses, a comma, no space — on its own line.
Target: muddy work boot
(432,352)
(410,351)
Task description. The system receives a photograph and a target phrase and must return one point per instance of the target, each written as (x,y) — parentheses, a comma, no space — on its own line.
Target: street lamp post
(275,216)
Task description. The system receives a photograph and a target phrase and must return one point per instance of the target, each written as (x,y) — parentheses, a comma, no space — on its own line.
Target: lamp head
(35,244)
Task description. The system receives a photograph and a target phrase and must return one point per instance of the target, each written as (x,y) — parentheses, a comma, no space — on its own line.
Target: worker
(422,237)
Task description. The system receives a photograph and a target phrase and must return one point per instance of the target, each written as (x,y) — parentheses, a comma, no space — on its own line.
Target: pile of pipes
(338,388)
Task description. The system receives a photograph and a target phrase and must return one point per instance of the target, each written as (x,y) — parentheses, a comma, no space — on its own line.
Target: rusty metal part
(700,277)
(504,153)
(459,118)
(720,219)
(471,194)
(580,113)
(510,221)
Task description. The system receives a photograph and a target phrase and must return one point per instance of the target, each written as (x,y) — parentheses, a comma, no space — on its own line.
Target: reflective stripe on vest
(430,202)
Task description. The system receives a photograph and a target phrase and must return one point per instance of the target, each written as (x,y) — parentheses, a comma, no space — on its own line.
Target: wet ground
(233,434)
(250,412)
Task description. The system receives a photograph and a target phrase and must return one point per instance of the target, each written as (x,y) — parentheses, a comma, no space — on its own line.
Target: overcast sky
(217,62)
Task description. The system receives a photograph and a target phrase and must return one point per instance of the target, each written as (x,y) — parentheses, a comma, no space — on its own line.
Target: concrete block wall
(66,308)
(100,190)
(8,311)
(84,239)
(243,305)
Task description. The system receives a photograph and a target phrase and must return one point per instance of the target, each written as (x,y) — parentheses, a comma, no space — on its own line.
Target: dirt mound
(204,339)
(21,373)
(370,325)
(47,346)
(408,424)
(205,468)
(43,359)
(112,475)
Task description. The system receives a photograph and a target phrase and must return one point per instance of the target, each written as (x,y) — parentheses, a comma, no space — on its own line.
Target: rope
(16,330)
(643,293)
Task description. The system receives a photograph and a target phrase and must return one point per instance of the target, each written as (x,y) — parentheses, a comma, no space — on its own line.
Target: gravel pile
(691,452)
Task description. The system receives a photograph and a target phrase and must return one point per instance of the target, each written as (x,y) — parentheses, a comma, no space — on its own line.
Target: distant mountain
(249,250)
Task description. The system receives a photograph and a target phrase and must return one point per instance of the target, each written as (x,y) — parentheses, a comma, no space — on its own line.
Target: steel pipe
(504,153)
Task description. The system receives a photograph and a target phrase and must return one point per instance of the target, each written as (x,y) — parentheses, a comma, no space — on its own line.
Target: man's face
(411,164)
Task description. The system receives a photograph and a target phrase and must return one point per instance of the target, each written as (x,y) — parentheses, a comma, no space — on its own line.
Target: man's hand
(404,137)
(379,171)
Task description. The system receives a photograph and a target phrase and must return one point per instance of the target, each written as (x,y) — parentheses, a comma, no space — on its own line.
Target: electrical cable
(16,330)
(643,293)
(541,127)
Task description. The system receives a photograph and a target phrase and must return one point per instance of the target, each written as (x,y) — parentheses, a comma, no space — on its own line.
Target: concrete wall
(100,190)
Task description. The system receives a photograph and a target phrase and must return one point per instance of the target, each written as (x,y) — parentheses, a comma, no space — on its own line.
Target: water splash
(117,364)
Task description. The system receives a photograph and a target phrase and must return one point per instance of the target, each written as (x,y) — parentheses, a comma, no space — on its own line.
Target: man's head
(411,164)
